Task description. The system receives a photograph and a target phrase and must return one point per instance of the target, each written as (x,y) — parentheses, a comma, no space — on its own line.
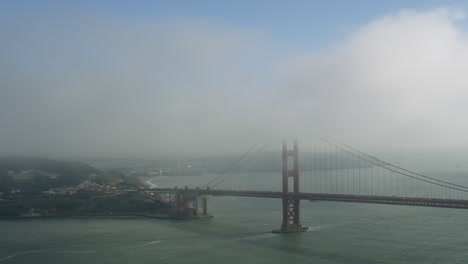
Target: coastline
(151,184)
(145,180)
(109,215)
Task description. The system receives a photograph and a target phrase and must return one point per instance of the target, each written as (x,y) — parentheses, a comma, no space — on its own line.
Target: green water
(240,233)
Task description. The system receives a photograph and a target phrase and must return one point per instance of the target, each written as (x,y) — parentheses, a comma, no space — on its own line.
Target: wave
(144,245)
(259,236)
(48,251)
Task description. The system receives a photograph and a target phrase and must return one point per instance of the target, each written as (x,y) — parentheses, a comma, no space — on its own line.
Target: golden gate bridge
(326,170)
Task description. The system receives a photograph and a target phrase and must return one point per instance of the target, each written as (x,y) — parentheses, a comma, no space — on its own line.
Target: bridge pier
(203,206)
(291,209)
(189,203)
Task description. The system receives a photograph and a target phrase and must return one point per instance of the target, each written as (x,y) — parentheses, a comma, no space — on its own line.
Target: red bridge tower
(291,215)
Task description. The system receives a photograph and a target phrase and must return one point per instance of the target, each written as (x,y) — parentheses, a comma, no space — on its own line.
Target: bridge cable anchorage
(230,167)
(401,173)
(391,165)
(249,160)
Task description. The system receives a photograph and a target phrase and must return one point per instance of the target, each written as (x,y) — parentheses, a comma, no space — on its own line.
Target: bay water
(240,232)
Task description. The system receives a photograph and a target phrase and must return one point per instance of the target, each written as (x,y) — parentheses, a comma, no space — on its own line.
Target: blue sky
(298,24)
(139,78)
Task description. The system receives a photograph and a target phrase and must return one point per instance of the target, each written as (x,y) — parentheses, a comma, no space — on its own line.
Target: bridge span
(332,172)
(351,198)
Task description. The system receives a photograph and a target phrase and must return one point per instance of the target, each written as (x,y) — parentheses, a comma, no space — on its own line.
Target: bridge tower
(291,209)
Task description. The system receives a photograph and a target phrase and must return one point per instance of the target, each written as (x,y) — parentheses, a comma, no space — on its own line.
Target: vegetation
(69,170)
(42,187)
(62,173)
(81,204)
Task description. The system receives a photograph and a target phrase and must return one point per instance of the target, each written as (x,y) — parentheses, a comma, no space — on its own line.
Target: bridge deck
(413,201)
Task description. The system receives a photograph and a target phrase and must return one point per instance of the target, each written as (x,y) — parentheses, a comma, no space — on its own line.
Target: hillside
(34,175)
(46,165)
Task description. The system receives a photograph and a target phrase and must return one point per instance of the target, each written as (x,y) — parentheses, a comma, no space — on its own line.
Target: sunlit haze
(179,78)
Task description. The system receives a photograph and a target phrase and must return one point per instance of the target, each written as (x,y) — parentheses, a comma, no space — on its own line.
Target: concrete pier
(188,203)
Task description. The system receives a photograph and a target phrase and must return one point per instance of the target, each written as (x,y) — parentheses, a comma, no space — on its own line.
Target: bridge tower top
(290,172)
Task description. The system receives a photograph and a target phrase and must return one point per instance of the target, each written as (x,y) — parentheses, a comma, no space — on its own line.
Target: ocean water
(240,232)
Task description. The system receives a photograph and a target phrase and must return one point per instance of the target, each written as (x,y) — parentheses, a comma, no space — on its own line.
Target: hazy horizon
(167,80)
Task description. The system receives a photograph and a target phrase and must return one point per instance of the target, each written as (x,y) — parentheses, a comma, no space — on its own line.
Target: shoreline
(112,215)
(145,180)
(151,184)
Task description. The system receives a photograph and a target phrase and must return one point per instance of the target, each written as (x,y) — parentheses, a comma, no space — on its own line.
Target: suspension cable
(396,171)
(391,165)
(230,167)
(232,173)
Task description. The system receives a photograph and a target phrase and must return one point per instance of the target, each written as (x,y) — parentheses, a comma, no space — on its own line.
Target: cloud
(398,81)
(97,86)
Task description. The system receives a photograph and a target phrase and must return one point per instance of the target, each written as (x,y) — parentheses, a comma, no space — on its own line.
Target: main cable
(394,166)
(393,170)
(234,164)
(232,173)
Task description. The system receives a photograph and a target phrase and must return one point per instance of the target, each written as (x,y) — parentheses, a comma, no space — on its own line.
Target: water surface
(240,232)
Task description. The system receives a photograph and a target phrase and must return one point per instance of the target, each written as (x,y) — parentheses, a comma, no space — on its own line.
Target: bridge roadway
(413,201)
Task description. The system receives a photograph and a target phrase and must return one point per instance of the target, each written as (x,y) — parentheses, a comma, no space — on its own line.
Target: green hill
(46,165)
(65,173)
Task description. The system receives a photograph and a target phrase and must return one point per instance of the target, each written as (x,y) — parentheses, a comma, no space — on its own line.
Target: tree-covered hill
(46,165)
(62,173)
